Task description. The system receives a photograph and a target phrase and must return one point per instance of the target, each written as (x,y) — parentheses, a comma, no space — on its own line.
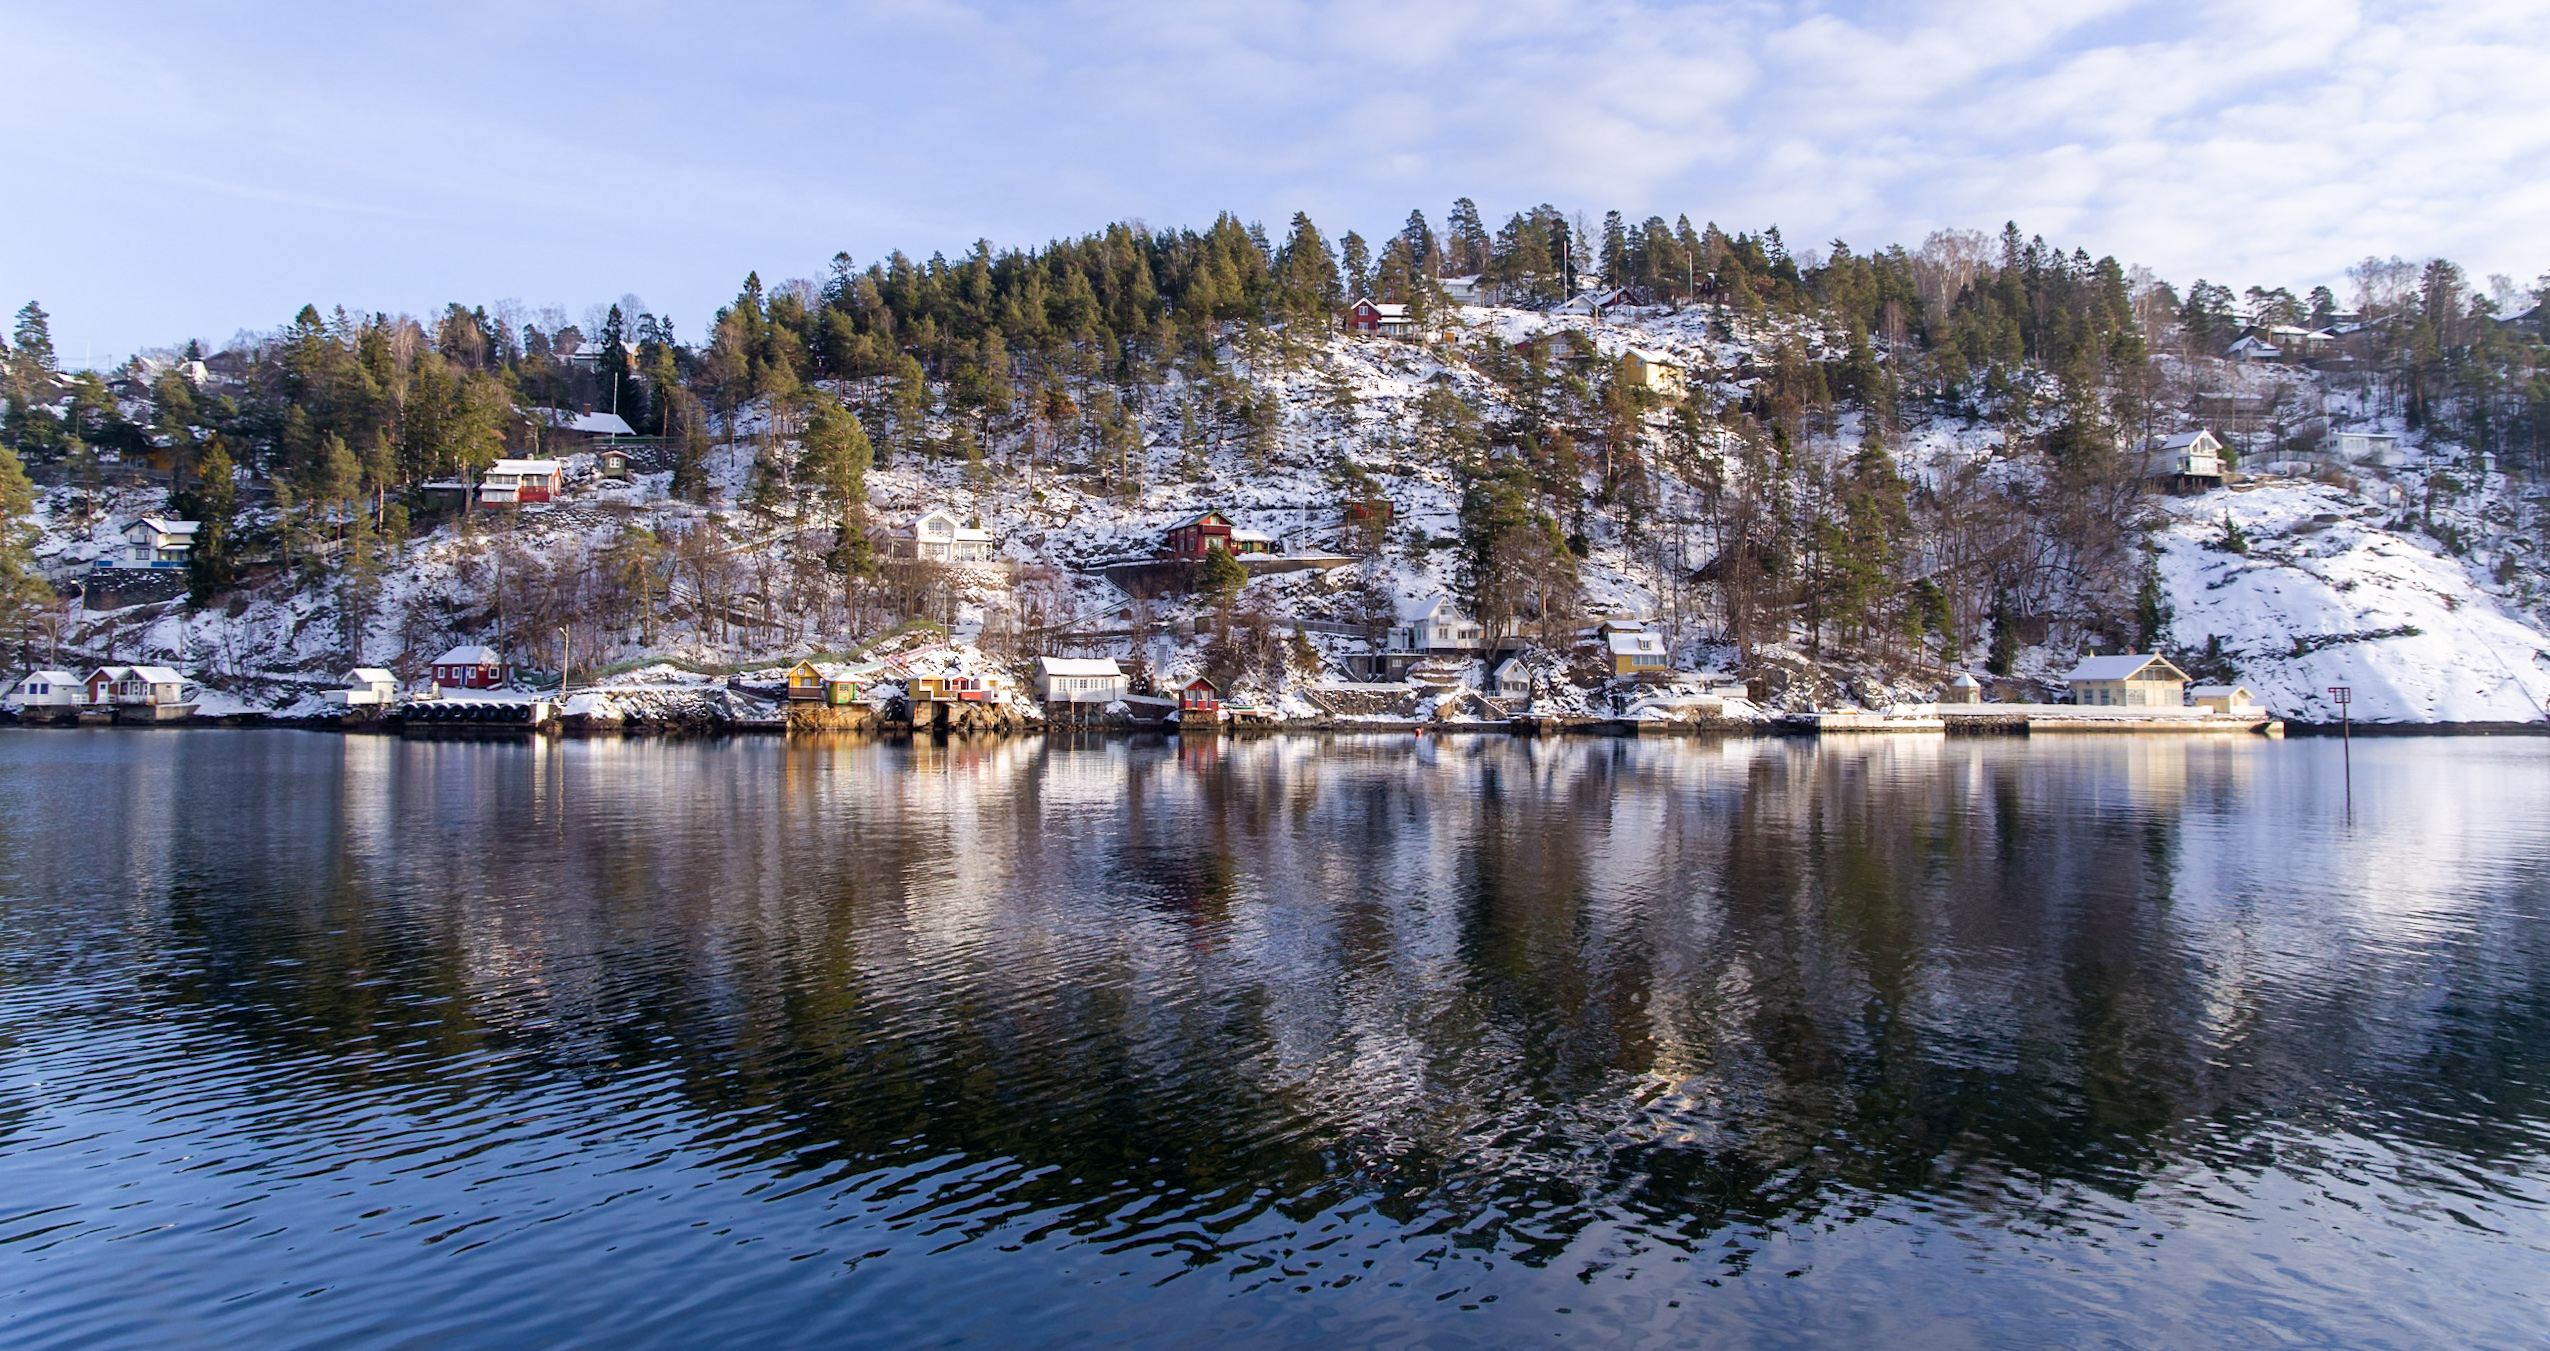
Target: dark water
(309,1041)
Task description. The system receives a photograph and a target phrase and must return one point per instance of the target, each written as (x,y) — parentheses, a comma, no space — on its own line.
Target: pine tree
(213,504)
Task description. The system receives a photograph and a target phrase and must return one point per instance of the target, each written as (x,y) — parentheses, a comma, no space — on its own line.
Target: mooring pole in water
(2346,739)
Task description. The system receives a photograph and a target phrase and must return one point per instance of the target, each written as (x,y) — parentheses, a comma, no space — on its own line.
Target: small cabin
(805,683)
(2223,698)
(1192,539)
(470,667)
(1079,680)
(1965,689)
(1636,651)
(46,689)
(2132,680)
(2187,461)
(614,463)
(520,482)
(1511,679)
(1200,698)
(847,688)
(366,687)
(2366,447)
(1653,372)
(158,542)
(1371,316)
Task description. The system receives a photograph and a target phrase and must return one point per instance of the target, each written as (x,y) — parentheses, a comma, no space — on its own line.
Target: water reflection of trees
(1496,989)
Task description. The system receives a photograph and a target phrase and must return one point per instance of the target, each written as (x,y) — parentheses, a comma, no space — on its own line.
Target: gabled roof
(1078,666)
(1254,535)
(2217,691)
(156,675)
(470,654)
(2183,440)
(165,525)
(49,674)
(1431,610)
(597,424)
(371,675)
(1200,680)
(1208,518)
(2122,667)
(538,468)
(1382,309)
(1635,643)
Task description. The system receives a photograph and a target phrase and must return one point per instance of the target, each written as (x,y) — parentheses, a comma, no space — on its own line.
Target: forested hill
(1869,465)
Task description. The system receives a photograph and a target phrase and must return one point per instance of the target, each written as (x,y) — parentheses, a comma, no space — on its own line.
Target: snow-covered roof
(1964,682)
(530,468)
(596,424)
(470,654)
(371,675)
(2219,691)
(1078,666)
(1633,642)
(1430,609)
(156,675)
(164,525)
(956,529)
(1255,536)
(2123,667)
(2183,440)
(55,677)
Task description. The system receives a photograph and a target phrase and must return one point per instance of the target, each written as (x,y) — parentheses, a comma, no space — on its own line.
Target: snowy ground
(2316,603)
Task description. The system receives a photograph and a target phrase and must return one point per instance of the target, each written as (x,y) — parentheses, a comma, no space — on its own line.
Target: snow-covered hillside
(2349,581)
(2335,589)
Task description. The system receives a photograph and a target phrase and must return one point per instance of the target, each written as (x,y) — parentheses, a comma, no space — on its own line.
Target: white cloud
(205,169)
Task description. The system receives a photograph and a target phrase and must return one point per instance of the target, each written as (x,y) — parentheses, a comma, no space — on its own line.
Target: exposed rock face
(834,718)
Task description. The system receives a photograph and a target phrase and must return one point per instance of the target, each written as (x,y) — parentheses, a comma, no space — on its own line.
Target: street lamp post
(564,651)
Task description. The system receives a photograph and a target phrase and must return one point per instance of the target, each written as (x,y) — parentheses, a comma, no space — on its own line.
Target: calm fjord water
(317,1041)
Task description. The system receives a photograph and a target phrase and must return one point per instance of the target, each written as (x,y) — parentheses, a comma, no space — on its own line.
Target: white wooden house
(366,687)
(1079,680)
(46,689)
(936,536)
(1436,625)
(1511,679)
(158,542)
(2186,460)
(151,690)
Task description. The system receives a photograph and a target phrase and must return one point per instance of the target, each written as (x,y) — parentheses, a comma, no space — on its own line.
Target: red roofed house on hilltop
(1371,316)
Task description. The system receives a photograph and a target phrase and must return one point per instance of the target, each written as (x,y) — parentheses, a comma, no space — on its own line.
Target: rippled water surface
(319,1041)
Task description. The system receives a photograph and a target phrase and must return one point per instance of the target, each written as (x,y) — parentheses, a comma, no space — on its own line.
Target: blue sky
(183,171)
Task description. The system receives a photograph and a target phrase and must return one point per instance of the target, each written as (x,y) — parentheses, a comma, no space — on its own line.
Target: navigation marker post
(2345,695)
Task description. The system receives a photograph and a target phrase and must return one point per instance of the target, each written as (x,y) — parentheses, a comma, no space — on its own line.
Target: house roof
(1208,518)
(110,672)
(1964,682)
(1431,609)
(2217,691)
(156,675)
(53,676)
(1383,310)
(371,675)
(2185,439)
(1635,643)
(537,468)
(597,424)
(1253,535)
(1200,680)
(2122,667)
(470,654)
(166,525)
(1078,666)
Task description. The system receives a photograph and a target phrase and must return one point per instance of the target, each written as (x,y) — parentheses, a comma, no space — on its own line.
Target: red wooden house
(469,668)
(1212,530)
(1371,316)
(1199,700)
